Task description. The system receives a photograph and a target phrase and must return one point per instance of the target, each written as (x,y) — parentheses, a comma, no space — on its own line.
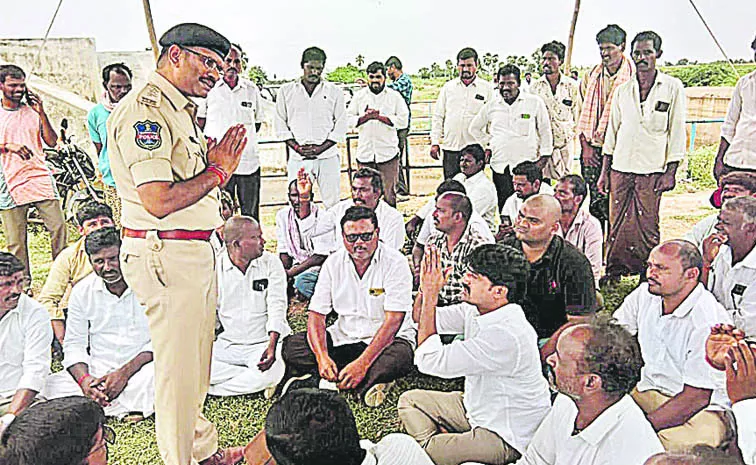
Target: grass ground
(238,419)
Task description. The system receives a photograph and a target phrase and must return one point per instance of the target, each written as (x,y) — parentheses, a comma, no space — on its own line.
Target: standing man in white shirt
(563,102)
(25,337)
(579,227)
(300,250)
(457,104)
(108,351)
(369,286)
(377,112)
(367,189)
(506,396)
(737,148)
(515,127)
(479,188)
(310,119)
(644,144)
(729,258)
(594,421)
(252,308)
(527,181)
(672,314)
(236,100)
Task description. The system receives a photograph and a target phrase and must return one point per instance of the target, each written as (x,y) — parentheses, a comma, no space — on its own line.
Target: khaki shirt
(70,266)
(154,138)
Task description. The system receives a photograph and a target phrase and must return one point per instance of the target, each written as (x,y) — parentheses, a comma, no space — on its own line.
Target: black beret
(196,35)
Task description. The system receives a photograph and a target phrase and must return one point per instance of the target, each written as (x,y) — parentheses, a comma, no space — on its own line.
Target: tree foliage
(709,74)
(257,75)
(346,74)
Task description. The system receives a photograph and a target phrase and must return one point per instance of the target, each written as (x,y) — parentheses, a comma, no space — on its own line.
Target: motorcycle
(74,174)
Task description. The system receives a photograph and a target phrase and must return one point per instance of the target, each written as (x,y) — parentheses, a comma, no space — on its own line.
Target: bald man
(251,307)
(561,287)
(672,314)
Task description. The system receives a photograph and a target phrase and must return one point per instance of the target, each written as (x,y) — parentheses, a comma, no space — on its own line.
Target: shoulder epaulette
(150,95)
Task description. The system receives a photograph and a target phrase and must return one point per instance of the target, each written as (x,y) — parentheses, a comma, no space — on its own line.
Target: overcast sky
(274,32)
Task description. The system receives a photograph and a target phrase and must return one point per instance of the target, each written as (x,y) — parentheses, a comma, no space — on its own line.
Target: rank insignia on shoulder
(147,135)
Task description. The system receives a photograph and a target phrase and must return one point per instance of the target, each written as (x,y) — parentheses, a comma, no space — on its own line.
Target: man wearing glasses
(25,337)
(168,177)
(369,286)
(236,100)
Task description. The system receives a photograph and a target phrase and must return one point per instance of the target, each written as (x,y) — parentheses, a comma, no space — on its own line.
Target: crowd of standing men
(174,297)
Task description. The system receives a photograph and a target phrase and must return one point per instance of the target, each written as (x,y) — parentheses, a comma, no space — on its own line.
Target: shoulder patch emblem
(147,135)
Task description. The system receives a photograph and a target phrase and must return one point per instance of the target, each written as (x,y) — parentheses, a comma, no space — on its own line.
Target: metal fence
(407,165)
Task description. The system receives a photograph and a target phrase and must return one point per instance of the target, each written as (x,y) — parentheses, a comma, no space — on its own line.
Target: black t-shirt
(561,283)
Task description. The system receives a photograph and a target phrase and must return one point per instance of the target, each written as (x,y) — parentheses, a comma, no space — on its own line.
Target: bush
(346,74)
(711,74)
(701,166)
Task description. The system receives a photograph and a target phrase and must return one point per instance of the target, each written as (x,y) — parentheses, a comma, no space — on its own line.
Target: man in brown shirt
(167,176)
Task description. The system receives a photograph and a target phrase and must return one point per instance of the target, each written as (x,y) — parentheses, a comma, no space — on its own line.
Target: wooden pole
(151,29)
(568,57)
(711,33)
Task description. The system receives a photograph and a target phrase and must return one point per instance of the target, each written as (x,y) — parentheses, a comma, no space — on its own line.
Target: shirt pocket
(658,119)
(521,126)
(187,158)
(376,299)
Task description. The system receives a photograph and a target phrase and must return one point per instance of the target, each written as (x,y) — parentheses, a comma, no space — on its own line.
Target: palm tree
(360,60)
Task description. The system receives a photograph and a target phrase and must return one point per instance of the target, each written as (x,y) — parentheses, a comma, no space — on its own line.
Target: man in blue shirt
(116,78)
(401,83)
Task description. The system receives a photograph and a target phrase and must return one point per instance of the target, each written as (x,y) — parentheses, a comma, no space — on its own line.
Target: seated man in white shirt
(310,426)
(367,190)
(252,308)
(683,396)
(428,228)
(108,353)
(527,181)
(735,184)
(506,396)
(25,338)
(730,261)
(300,250)
(594,421)
(369,286)
(480,189)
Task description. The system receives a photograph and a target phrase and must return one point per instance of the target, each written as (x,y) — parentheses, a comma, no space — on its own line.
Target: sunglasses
(209,62)
(364,237)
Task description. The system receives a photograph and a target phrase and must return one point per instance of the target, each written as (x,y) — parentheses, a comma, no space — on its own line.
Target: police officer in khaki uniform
(168,176)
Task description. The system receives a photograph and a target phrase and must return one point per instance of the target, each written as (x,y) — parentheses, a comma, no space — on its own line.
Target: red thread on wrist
(82,378)
(218,171)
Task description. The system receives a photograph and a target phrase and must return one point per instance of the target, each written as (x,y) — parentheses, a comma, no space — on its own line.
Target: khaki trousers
(15,222)
(707,427)
(175,280)
(438,423)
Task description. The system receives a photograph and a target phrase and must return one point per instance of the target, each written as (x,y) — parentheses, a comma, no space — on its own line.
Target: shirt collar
(606,421)
(472,84)
(502,314)
(687,305)
(241,84)
(373,261)
(749,261)
(475,177)
(228,265)
(580,218)
(177,99)
(99,286)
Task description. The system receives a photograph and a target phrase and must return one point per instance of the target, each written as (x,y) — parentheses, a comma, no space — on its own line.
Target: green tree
(424,73)
(257,75)
(346,74)
(360,60)
(449,69)
(490,62)
(436,70)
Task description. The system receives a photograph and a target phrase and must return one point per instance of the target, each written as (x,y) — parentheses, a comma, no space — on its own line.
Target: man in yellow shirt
(71,266)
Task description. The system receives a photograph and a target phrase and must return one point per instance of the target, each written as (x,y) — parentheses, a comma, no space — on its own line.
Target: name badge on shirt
(376,291)
(567,102)
(259,284)
(479,97)
(662,106)
(246,104)
(525,116)
(738,289)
